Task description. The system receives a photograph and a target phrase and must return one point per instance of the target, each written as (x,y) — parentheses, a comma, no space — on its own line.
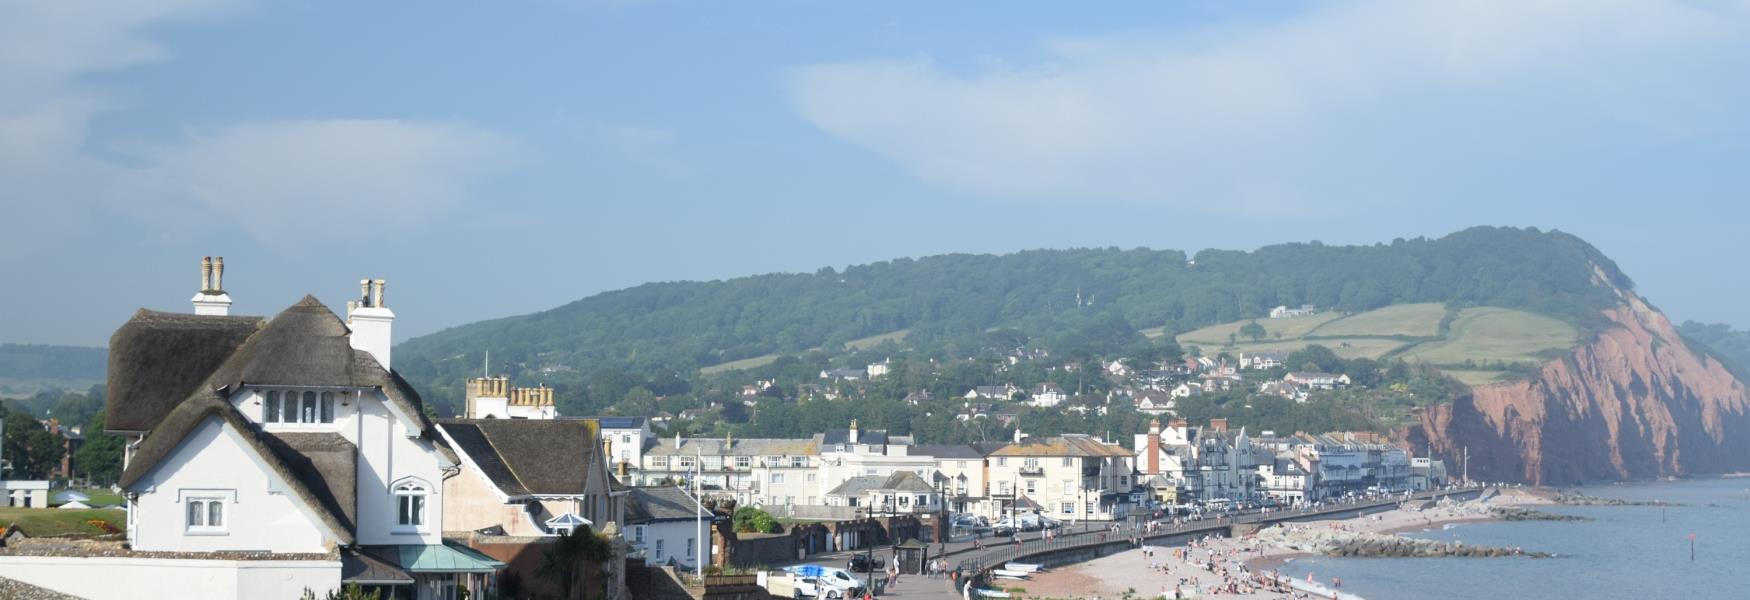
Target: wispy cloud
(269,177)
(1348,103)
(327,178)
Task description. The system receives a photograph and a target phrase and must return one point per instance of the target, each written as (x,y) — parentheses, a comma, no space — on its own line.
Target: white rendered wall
(104,578)
(213,460)
(387,456)
(674,536)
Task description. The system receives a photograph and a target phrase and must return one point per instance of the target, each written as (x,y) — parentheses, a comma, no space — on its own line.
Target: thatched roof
(167,358)
(327,464)
(313,479)
(525,457)
(156,360)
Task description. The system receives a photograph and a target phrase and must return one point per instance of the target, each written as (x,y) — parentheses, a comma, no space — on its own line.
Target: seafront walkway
(1085,541)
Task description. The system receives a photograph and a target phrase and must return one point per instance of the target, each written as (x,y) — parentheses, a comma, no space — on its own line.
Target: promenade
(1085,541)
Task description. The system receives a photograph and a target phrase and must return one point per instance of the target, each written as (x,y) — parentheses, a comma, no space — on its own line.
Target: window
(743,462)
(659,461)
(686,462)
(1003,488)
(1030,462)
(659,550)
(1069,462)
(272,413)
(309,408)
(626,438)
(298,407)
(810,478)
(206,515)
(777,478)
(1069,508)
(690,552)
(1068,487)
(798,462)
(1002,461)
(410,504)
(1032,486)
(638,534)
(960,464)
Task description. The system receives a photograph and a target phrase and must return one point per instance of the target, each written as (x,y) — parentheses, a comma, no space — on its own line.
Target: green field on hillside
(1413,320)
(1496,334)
(1477,342)
(760,361)
(1274,329)
(1344,347)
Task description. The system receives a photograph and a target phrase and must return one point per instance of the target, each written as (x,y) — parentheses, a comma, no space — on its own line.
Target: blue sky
(491,160)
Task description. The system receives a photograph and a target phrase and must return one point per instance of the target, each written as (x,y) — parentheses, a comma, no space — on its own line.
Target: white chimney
(371,322)
(211,299)
(853,432)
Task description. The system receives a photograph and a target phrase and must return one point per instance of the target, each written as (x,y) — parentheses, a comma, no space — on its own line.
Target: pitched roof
(156,360)
(328,466)
(309,481)
(159,360)
(864,436)
(528,456)
(946,451)
(1064,445)
(901,481)
(737,447)
(613,422)
(662,503)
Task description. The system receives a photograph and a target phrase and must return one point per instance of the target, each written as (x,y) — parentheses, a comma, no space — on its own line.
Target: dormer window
(206,516)
(293,406)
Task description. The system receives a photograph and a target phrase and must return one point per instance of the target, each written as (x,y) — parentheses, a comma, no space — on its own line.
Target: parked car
(824,582)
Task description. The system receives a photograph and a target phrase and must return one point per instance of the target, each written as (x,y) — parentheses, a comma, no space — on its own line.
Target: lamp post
(699,496)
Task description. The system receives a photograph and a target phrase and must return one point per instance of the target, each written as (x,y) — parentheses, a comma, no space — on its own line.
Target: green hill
(26,369)
(1082,300)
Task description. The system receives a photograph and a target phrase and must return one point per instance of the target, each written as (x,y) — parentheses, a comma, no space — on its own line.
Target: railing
(1032,471)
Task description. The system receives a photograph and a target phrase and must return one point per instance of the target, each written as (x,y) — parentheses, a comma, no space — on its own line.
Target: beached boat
(1026,567)
(1007,574)
(992,593)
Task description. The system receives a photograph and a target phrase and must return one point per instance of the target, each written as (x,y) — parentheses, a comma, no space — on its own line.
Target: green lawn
(1496,334)
(53,522)
(1289,329)
(1414,320)
(1473,377)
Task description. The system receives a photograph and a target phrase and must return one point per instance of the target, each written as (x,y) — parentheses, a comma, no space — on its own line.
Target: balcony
(1032,471)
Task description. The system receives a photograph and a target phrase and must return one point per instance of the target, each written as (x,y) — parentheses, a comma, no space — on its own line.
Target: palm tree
(562,562)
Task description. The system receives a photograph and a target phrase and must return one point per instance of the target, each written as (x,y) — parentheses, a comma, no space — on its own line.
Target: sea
(1623,552)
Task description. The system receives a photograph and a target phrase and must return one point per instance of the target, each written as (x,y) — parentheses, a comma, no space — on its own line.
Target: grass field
(1355,348)
(1484,335)
(1496,334)
(1414,320)
(760,361)
(51,522)
(1289,329)
(99,496)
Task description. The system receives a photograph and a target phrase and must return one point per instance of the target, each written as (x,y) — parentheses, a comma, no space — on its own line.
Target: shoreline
(1209,562)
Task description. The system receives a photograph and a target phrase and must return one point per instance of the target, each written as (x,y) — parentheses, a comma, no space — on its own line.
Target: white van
(816,581)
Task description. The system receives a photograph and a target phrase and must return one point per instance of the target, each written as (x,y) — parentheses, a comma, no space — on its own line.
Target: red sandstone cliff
(1635,403)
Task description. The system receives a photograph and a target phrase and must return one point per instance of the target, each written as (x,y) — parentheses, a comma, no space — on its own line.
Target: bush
(748,519)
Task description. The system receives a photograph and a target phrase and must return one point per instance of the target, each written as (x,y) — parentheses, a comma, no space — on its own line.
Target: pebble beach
(1223,567)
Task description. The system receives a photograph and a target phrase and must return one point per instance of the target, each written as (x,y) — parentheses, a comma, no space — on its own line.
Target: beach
(1209,567)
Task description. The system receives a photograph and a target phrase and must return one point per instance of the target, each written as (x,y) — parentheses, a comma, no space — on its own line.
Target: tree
(563,560)
(100,459)
(31,451)
(748,519)
(1253,330)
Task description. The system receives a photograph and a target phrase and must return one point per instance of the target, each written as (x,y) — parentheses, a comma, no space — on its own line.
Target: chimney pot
(206,273)
(219,274)
(378,300)
(364,292)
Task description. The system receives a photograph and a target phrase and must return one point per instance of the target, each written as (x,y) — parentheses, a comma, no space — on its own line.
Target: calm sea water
(1625,552)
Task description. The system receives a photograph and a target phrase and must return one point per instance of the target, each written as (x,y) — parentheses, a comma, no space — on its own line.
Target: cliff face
(1635,403)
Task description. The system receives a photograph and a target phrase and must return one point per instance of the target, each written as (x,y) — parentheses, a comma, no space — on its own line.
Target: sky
(493,159)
